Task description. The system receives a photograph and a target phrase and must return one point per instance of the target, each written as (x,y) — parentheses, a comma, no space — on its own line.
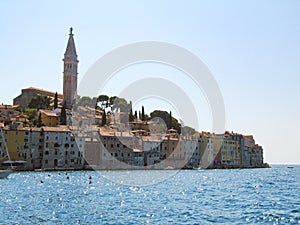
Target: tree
(143,113)
(166,117)
(120,104)
(39,122)
(111,101)
(170,120)
(32,116)
(63,115)
(135,114)
(103,101)
(55,101)
(104,118)
(39,102)
(131,117)
(87,101)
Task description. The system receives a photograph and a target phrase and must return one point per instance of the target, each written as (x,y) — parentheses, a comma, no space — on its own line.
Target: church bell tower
(70,72)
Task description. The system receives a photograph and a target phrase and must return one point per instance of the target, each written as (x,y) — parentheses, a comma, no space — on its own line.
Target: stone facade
(28,93)
(70,72)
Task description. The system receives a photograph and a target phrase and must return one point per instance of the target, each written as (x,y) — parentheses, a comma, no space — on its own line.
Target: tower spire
(71,49)
(70,71)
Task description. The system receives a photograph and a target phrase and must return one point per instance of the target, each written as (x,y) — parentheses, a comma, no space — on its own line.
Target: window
(46,161)
(46,152)
(112,145)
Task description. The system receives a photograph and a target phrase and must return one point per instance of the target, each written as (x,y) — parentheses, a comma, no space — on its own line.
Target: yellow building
(49,118)
(15,139)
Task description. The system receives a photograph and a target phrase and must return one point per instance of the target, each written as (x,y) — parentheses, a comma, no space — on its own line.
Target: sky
(251,47)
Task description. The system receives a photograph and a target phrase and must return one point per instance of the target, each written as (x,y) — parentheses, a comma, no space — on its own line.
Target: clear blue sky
(252,48)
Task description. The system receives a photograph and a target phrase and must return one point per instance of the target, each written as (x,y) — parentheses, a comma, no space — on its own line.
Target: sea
(238,196)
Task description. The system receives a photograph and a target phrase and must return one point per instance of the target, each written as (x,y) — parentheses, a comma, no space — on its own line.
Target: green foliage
(63,115)
(111,101)
(131,117)
(32,116)
(120,104)
(143,113)
(135,114)
(55,101)
(169,120)
(87,101)
(102,101)
(39,102)
(186,130)
(104,118)
(39,121)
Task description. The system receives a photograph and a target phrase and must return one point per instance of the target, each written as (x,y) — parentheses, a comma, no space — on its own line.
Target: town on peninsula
(46,130)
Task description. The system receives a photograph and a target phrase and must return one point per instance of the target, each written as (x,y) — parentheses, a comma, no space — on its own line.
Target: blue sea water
(249,196)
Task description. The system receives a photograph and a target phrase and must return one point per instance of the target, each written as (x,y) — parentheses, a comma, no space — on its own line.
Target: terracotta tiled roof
(48,112)
(42,90)
(9,106)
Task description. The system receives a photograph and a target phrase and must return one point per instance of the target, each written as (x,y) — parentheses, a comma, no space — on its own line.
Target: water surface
(249,196)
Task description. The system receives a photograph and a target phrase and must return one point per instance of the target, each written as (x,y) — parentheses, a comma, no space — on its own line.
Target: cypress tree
(170,120)
(135,114)
(63,115)
(39,122)
(55,101)
(143,113)
(104,118)
(131,117)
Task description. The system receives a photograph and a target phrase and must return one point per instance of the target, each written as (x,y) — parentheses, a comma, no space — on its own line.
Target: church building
(70,72)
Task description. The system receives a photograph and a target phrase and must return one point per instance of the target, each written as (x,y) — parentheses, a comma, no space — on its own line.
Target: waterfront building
(15,139)
(206,150)
(231,150)
(249,144)
(52,148)
(256,156)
